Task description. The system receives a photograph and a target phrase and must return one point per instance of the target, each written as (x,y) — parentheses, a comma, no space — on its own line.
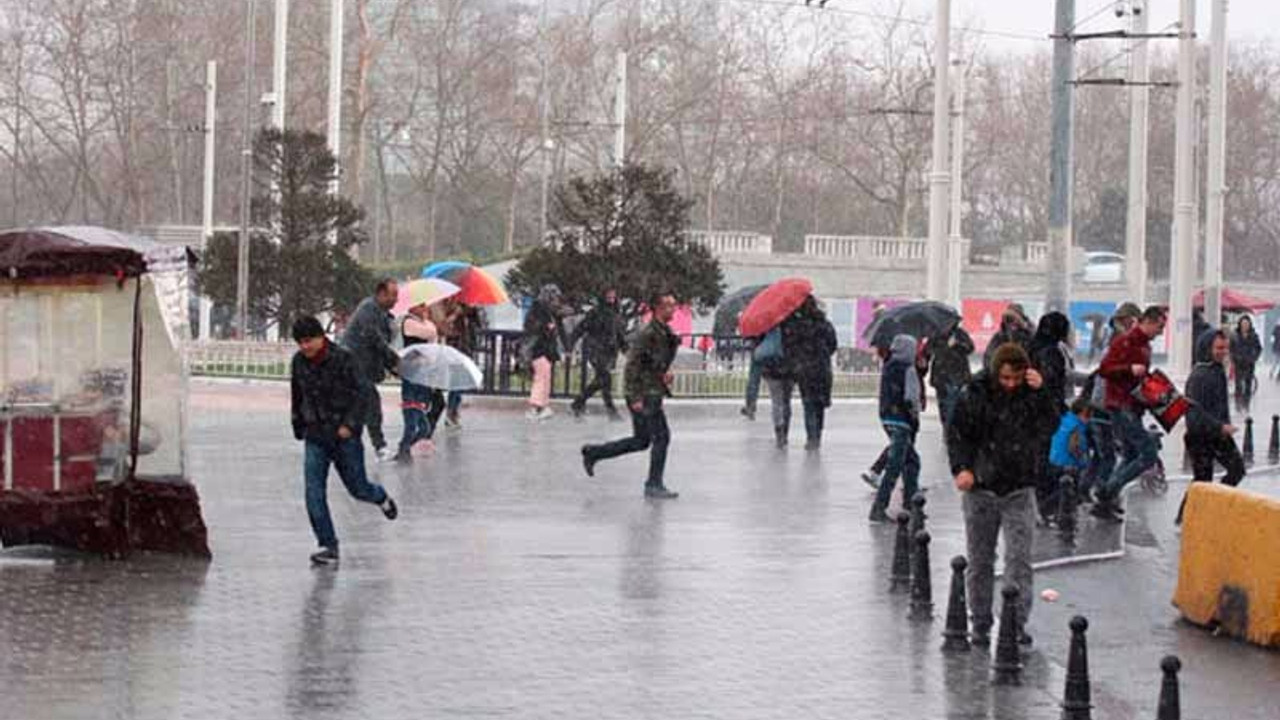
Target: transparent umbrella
(439,366)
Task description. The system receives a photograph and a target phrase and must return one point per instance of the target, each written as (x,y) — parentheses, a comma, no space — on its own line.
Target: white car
(1102,267)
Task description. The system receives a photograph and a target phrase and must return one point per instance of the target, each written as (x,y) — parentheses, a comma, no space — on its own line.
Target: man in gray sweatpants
(1000,428)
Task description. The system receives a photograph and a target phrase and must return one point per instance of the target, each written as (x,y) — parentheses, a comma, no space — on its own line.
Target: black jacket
(1245,349)
(951,359)
(1008,333)
(325,395)
(1048,357)
(1001,437)
(368,338)
(1207,388)
(542,333)
(603,333)
(808,342)
(648,360)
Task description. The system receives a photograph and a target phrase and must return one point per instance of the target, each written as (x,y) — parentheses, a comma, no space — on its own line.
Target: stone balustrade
(731,243)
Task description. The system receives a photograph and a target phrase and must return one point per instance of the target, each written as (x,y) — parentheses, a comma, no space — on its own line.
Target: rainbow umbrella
(477,286)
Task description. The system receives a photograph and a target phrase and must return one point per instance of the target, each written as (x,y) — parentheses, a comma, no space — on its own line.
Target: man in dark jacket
(900,404)
(1209,431)
(326,413)
(809,341)
(1049,358)
(950,371)
(603,334)
(647,378)
(996,434)
(1126,363)
(368,339)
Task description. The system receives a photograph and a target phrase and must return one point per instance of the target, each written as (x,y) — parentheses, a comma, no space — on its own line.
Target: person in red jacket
(1126,363)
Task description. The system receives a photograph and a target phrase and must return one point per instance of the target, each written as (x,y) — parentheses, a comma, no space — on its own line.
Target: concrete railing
(731,243)
(1035,253)
(865,247)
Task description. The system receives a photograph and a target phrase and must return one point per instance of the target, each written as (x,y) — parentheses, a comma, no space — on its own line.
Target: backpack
(770,348)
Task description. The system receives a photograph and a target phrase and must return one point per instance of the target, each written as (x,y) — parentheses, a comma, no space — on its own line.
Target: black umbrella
(918,319)
(730,309)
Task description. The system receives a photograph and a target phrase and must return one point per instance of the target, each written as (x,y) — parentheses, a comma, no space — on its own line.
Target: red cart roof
(48,253)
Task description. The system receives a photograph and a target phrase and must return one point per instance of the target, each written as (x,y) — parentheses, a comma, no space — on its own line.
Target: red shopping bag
(1158,394)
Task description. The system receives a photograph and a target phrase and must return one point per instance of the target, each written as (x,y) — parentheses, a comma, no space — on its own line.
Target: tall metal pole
(544,121)
(620,113)
(279,66)
(1135,264)
(1182,257)
(939,176)
(210,157)
(335,102)
(1061,158)
(1215,210)
(955,244)
(246,171)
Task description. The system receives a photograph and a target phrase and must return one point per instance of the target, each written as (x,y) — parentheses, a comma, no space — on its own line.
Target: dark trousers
(815,418)
(1244,382)
(348,457)
(649,431)
(1140,452)
(903,461)
(416,405)
(1102,445)
(1205,451)
(371,399)
(948,396)
(602,382)
(754,375)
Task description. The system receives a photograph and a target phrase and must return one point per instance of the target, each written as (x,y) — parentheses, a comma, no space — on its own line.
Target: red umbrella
(773,305)
(1236,301)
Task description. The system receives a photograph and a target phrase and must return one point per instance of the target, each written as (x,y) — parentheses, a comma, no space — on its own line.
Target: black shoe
(878,515)
(780,438)
(404,457)
(389,508)
(326,556)
(1025,639)
(812,445)
(588,462)
(659,492)
(1106,513)
(578,409)
(748,413)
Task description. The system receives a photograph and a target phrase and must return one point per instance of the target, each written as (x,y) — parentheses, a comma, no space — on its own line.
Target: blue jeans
(1140,451)
(348,457)
(903,460)
(455,400)
(1102,443)
(415,401)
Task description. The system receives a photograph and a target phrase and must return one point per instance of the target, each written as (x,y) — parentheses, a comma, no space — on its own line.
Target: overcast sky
(1250,20)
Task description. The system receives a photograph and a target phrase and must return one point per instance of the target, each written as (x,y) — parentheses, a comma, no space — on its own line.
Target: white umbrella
(439,366)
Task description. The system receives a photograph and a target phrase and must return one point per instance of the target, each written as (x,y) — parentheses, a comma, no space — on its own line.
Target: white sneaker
(533,414)
(385,454)
(546,414)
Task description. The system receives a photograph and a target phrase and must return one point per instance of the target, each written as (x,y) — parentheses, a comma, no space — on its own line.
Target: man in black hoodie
(1001,423)
(604,333)
(327,411)
(1209,430)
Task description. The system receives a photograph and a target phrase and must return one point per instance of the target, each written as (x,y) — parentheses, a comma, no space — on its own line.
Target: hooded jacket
(808,342)
(1047,355)
(1131,348)
(900,384)
(603,332)
(1014,328)
(542,332)
(1207,388)
(1000,436)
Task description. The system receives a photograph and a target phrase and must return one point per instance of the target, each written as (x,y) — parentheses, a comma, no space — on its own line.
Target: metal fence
(705,367)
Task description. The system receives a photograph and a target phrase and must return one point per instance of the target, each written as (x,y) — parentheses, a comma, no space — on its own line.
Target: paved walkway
(513,586)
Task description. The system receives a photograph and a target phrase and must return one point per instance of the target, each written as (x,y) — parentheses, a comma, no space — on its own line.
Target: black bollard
(1170,707)
(1247,450)
(1273,447)
(1008,664)
(1076,698)
(921,583)
(957,633)
(1067,502)
(918,515)
(900,574)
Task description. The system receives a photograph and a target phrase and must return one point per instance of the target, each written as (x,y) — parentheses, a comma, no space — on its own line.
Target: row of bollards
(911,570)
(1273,445)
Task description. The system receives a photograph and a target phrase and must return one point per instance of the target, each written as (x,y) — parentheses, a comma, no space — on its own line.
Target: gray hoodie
(900,383)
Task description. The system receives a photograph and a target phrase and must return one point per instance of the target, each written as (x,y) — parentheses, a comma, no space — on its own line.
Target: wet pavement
(514,586)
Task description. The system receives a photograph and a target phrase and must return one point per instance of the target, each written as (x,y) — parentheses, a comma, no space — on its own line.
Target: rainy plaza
(631,359)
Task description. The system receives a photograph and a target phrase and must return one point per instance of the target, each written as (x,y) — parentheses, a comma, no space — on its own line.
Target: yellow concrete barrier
(1229,571)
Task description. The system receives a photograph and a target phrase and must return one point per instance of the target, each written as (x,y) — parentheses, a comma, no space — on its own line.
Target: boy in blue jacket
(1069,449)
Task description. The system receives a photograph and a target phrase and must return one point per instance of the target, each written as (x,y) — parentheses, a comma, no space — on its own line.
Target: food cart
(93,395)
